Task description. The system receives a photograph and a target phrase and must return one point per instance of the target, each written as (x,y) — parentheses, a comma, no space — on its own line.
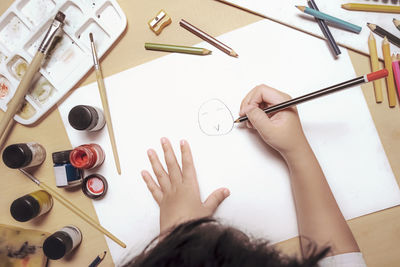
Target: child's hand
(177,192)
(281,130)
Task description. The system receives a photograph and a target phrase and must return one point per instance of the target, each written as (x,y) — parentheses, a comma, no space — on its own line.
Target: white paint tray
(22,28)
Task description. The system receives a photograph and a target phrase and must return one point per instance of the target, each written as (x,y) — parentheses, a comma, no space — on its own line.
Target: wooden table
(377,234)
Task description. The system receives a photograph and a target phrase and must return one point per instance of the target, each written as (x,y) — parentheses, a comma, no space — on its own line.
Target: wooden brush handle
(22,90)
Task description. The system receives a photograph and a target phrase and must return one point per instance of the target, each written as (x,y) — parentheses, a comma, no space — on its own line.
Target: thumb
(216,198)
(258,118)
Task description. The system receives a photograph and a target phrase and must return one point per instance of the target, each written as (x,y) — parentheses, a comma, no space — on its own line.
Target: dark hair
(207,243)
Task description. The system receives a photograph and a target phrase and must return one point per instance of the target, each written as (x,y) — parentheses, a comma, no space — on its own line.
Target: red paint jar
(87,156)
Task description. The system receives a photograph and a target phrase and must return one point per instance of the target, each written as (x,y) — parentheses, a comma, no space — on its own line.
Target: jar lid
(95,186)
(82,117)
(57,245)
(61,157)
(17,156)
(24,208)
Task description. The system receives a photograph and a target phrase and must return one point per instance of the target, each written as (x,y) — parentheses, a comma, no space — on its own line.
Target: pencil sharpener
(159,22)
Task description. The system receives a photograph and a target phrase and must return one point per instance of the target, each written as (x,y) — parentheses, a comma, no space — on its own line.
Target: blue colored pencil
(344,24)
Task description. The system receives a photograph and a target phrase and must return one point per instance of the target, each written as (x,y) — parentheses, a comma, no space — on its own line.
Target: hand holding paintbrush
(33,68)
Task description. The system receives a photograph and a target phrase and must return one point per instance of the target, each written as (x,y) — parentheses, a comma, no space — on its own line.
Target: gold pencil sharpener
(158,23)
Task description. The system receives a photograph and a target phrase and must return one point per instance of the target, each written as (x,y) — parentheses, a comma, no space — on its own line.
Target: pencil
(98,259)
(396,23)
(391,91)
(208,38)
(332,89)
(69,205)
(177,48)
(375,66)
(382,33)
(371,8)
(325,30)
(396,73)
(104,101)
(23,87)
(318,14)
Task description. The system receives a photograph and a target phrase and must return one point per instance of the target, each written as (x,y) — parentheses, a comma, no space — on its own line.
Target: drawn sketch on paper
(215,118)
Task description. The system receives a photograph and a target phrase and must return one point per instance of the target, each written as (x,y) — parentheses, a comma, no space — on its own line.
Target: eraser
(159,22)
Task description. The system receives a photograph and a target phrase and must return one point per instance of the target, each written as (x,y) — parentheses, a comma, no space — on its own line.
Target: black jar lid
(25,208)
(83,117)
(17,156)
(61,157)
(57,245)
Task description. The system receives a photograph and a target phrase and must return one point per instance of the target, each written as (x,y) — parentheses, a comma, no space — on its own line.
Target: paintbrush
(104,101)
(33,68)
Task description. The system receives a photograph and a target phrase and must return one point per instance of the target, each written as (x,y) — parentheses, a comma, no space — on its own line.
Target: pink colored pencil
(396,74)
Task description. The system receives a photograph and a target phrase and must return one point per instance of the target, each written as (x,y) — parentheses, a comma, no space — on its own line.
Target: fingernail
(143,173)
(164,141)
(182,142)
(150,152)
(226,192)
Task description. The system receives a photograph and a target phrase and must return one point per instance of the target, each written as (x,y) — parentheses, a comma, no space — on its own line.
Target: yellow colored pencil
(391,90)
(371,8)
(375,67)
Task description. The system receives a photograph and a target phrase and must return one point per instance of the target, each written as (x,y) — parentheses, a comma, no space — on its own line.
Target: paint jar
(62,242)
(24,155)
(66,175)
(31,205)
(86,118)
(87,156)
(95,186)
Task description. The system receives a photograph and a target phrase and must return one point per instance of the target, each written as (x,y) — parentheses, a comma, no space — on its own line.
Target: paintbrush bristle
(91,37)
(60,17)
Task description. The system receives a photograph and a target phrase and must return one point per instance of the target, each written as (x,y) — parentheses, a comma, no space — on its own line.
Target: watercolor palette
(22,28)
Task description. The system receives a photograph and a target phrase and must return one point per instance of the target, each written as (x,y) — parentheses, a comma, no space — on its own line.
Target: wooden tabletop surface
(377,234)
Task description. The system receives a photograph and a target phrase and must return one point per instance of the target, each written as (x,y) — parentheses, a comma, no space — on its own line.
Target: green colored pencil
(177,48)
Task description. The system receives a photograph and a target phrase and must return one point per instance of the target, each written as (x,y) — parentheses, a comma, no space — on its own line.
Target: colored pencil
(177,48)
(98,259)
(325,30)
(396,73)
(382,33)
(375,67)
(391,90)
(104,102)
(396,23)
(69,205)
(332,89)
(371,8)
(208,38)
(318,14)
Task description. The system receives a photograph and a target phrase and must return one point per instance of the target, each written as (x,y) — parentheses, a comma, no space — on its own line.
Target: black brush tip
(60,17)
(91,37)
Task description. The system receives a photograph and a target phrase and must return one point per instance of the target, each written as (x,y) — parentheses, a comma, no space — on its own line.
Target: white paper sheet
(286,11)
(162,98)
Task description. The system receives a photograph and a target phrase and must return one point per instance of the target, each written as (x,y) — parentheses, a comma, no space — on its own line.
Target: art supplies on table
(371,8)
(391,90)
(69,205)
(66,175)
(21,247)
(95,186)
(98,259)
(329,90)
(325,30)
(86,118)
(31,205)
(177,49)
(208,38)
(159,22)
(339,22)
(62,242)
(384,33)
(22,28)
(285,13)
(375,67)
(396,23)
(87,156)
(104,102)
(396,73)
(24,155)
(337,127)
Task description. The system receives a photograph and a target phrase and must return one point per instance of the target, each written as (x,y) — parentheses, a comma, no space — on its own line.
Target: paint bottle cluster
(69,167)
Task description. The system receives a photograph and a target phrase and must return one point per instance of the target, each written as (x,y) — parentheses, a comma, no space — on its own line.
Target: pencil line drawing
(215,118)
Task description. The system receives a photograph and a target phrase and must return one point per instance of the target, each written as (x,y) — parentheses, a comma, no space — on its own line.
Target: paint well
(4,87)
(13,32)
(27,111)
(3,57)
(36,11)
(18,66)
(101,38)
(108,15)
(73,15)
(41,90)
